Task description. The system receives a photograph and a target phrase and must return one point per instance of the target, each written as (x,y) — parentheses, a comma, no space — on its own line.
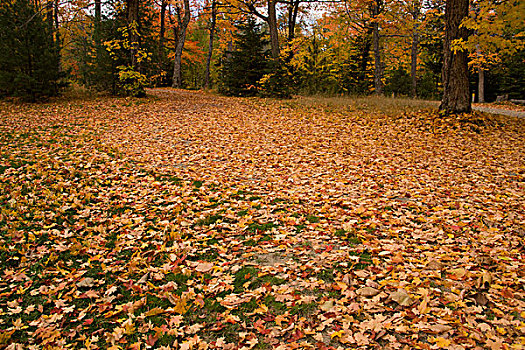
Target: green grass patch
(209,220)
(303,309)
(242,213)
(198,183)
(245,274)
(313,219)
(255,227)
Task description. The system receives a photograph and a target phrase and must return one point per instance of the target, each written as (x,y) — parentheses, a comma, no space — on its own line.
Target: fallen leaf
(86,282)
(204,267)
(434,265)
(401,297)
(327,306)
(368,292)
(440,328)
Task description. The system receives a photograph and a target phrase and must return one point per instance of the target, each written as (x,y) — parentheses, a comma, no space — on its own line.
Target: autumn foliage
(191,221)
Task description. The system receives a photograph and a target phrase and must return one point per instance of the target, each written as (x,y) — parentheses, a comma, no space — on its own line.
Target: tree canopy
(359,47)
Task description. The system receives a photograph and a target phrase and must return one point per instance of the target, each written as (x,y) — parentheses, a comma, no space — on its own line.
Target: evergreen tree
(246,65)
(29,60)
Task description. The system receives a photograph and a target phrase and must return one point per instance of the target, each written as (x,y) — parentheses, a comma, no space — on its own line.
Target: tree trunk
(455,63)
(132,9)
(272,24)
(293,11)
(57,25)
(378,70)
(162,30)
(414,52)
(210,44)
(481,85)
(181,38)
(97,35)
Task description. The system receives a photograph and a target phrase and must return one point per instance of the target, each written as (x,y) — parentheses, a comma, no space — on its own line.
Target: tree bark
(378,67)
(210,44)
(97,32)
(455,63)
(272,25)
(414,52)
(481,85)
(57,25)
(271,19)
(181,38)
(162,29)
(293,11)
(132,9)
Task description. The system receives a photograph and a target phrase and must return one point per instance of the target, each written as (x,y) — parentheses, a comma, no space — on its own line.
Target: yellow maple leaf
(441,342)
(181,307)
(338,334)
(154,312)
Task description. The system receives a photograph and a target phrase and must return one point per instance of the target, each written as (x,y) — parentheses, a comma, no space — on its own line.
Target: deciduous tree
(456,96)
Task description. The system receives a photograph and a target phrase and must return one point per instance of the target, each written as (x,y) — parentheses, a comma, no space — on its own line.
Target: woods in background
(358,47)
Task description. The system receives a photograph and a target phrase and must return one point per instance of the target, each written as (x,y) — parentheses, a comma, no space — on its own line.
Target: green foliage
(398,82)
(507,77)
(328,67)
(131,82)
(278,83)
(29,60)
(314,67)
(244,67)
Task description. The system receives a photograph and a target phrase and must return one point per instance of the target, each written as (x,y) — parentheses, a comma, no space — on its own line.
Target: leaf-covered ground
(191,221)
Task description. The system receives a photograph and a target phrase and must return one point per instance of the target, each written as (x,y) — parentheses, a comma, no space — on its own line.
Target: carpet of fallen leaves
(192,221)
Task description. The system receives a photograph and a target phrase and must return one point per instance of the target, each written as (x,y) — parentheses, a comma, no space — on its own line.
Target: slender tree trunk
(162,38)
(455,63)
(210,44)
(50,18)
(293,11)
(481,85)
(378,70)
(97,33)
(162,30)
(181,38)
(230,46)
(272,24)
(57,25)
(363,61)
(133,27)
(414,52)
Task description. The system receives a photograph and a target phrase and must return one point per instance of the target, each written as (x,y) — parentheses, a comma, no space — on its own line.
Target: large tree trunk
(181,38)
(132,9)
(378,67)
(210,44)
(272,24)
(414,52)
(455,63)
(271,19)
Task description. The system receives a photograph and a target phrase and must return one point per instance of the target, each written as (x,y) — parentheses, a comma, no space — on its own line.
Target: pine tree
(246,65)
(29,60)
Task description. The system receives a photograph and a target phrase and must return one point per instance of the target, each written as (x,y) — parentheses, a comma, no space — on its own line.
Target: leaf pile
(190,221)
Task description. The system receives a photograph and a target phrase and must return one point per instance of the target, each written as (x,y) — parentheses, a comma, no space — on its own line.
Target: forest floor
(192,221)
